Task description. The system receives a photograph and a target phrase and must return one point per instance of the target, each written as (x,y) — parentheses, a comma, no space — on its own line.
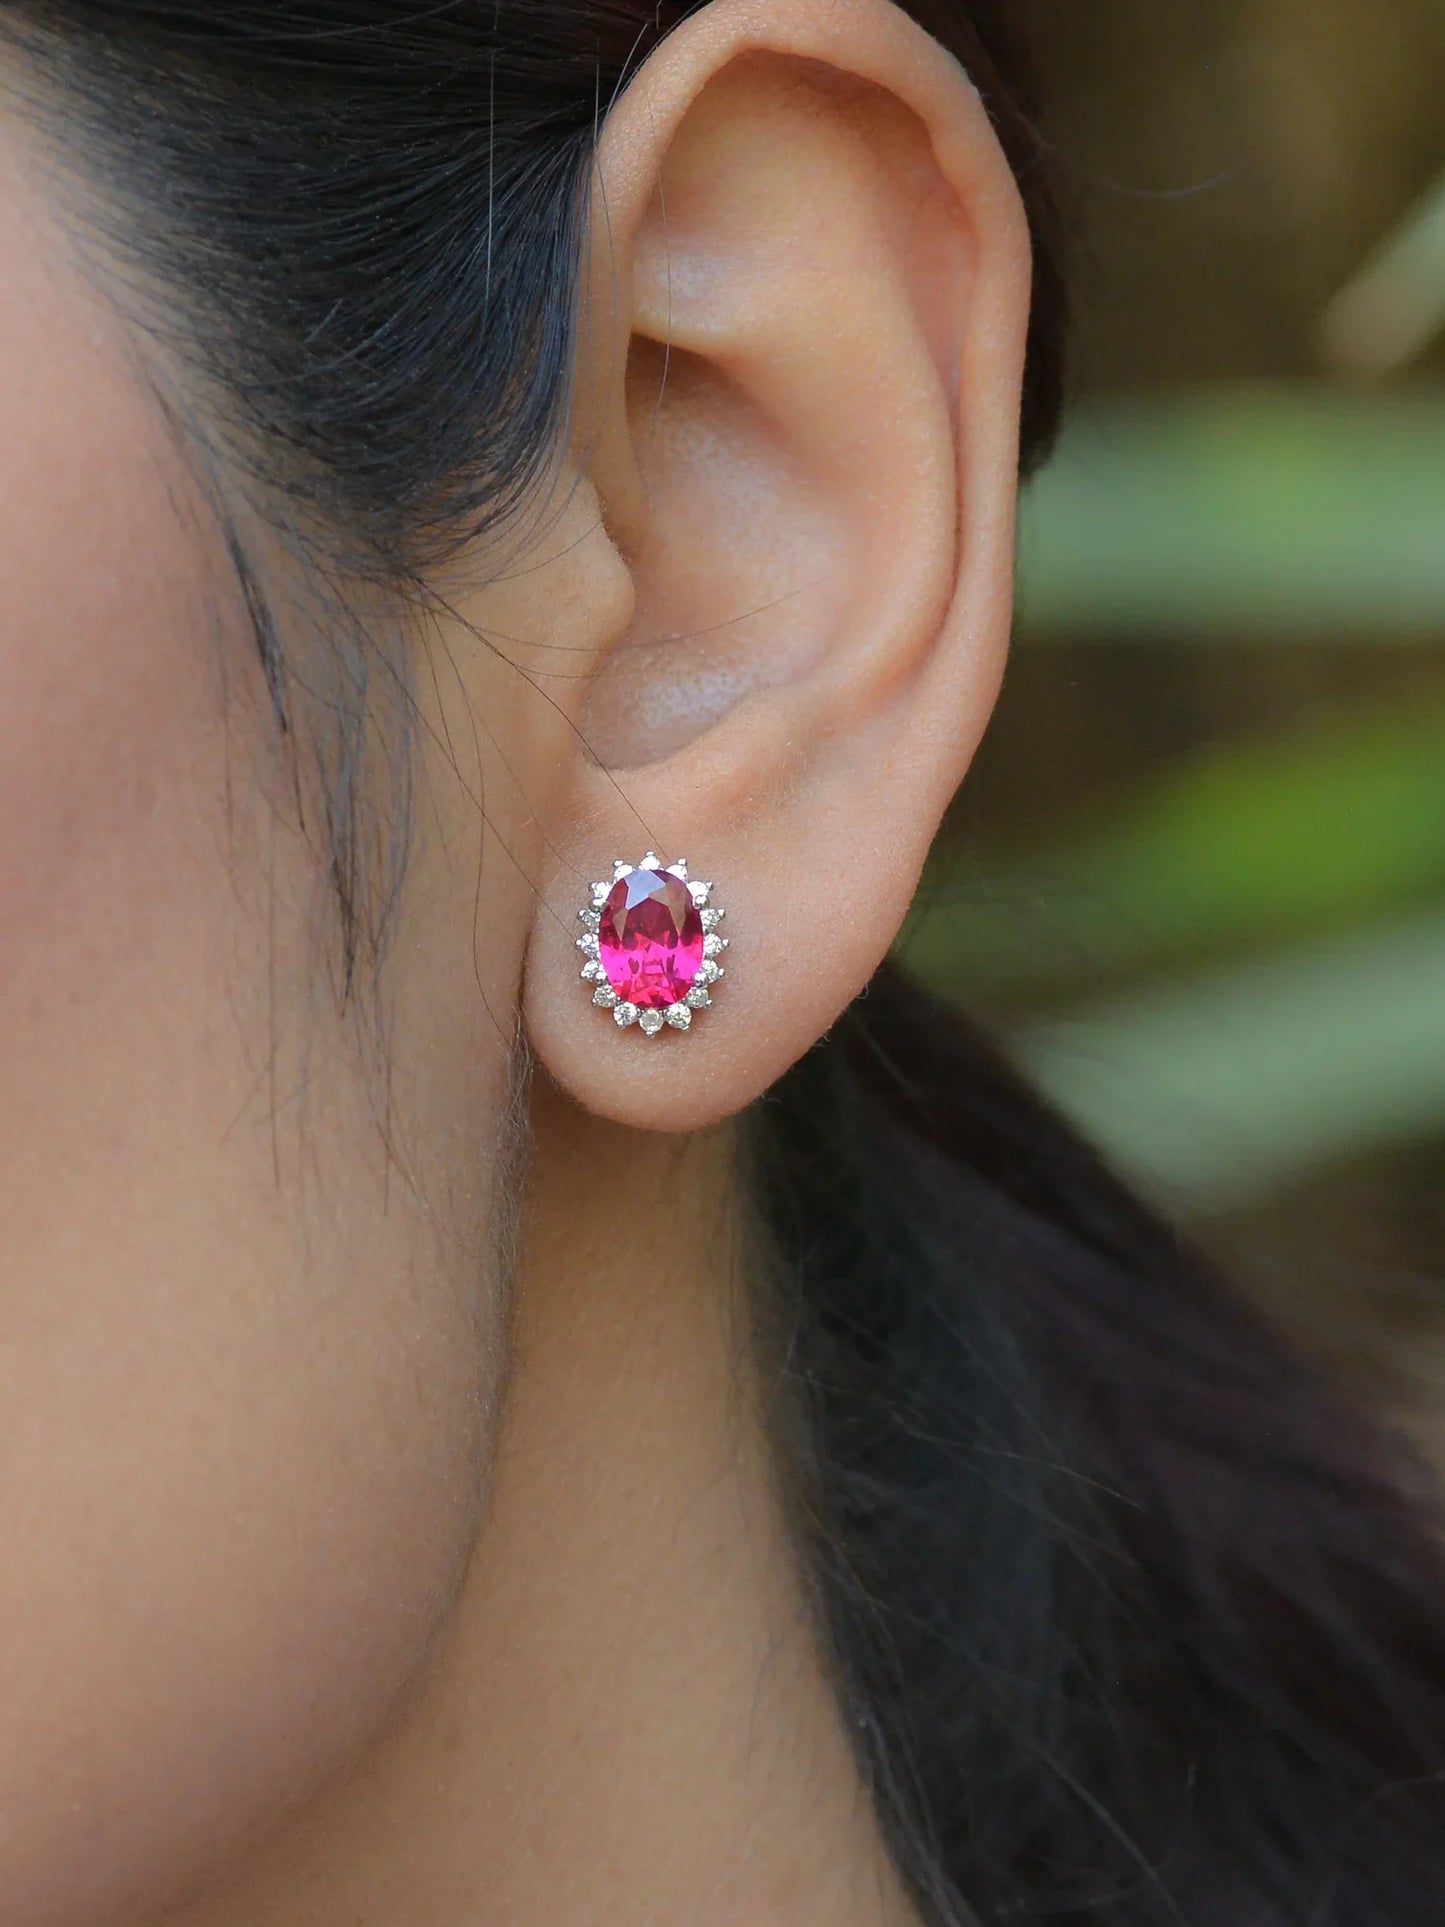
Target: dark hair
(1131,1621)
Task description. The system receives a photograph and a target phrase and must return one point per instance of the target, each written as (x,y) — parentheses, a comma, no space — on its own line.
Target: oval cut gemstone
(650,939)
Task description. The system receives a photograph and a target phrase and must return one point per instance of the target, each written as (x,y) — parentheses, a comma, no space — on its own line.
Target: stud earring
(651,944)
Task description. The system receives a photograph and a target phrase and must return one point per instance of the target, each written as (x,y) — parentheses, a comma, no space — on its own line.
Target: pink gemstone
(650,939)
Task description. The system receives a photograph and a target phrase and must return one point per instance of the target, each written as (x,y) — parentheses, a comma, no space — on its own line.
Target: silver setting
(627,1016)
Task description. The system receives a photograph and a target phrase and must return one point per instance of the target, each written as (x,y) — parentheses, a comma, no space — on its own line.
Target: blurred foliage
(1394,310)
(1272,511)
(1199,871)
(1266,842)
(1221,1091)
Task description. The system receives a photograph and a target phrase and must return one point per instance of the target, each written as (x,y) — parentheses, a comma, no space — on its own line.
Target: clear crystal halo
(651,945)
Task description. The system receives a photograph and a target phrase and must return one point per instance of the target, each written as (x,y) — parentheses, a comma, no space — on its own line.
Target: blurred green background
(1198,872)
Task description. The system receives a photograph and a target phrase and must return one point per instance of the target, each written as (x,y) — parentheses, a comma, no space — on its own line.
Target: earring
(651,945)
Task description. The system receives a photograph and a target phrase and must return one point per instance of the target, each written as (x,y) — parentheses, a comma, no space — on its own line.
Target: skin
(382,1542)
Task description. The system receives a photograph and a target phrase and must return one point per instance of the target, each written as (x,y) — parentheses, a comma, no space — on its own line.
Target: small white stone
(679,869)
(650,862)
(679,1016)
(590,944)
(621,868)
(606,998)
(626,1014)
(711,919)
(709,973)
(698,999)
(593,973)
(591,918)
(652,1021)
(700,893)
(600,893)
(714,946)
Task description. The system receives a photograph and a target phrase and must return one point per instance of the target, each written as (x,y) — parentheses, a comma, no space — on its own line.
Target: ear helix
(652,945)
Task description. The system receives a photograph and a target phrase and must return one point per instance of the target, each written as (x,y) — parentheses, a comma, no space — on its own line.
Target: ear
(798,403)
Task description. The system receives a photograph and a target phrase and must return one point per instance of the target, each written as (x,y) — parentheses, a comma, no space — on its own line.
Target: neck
(628,1719)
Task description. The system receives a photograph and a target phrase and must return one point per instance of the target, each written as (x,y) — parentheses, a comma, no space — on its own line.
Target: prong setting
(680,955)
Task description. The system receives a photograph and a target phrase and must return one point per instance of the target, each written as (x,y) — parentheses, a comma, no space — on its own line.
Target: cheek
(244,1381)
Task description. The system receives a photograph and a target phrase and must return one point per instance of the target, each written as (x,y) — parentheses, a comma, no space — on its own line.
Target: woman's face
(251,1345)
(249,1336)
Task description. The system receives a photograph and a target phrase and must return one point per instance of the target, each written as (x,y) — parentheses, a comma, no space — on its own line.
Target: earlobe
(806,449)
